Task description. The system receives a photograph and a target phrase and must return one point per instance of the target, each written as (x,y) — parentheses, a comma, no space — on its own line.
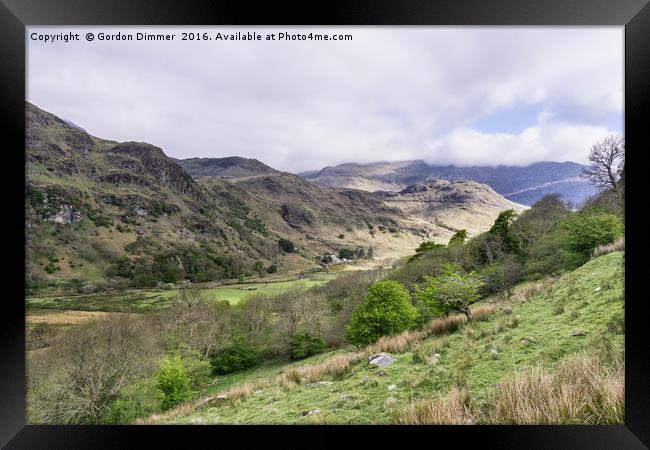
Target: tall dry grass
(582,390)
(616,246)
(453,409)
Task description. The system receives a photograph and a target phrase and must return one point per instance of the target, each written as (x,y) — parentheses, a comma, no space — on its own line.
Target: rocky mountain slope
(230,167)
(103,214)
(523,185)
(451,204)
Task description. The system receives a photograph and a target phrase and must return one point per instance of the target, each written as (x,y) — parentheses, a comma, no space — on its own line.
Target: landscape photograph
(324,225)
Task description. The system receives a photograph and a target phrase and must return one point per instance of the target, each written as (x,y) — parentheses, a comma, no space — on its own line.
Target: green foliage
(386,310)
(587,230)
(428,245)
(272,269)
(458,238)
(346,253)
(502,227)
(172,382)
(239,354)
(286,245)
(303,344)
(452,291)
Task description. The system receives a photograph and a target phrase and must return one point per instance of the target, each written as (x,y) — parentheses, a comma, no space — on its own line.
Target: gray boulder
(381,360)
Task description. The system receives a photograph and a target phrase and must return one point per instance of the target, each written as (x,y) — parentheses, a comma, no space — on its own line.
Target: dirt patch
(54,317)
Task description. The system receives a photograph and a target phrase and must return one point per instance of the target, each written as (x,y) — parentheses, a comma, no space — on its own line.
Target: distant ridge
(523,185)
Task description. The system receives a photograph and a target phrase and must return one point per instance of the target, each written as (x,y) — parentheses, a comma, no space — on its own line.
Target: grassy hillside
(547,322)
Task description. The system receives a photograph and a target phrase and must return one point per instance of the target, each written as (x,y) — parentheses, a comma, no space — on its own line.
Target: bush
(346,253)
(304,344)
(238,355)
(286,245)
(272,269)
(386,310)
(588,230)
(172,382)
(451,291)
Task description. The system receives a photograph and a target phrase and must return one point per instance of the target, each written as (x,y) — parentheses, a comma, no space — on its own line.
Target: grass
(505,341)
(146,300)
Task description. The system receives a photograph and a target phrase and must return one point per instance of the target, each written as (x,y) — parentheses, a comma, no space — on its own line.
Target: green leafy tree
(303,344)
(172,382)
(386,310)
(502,227)
(238,355)
(451,291)
(424,247)
(587,230)
(458,238)
(286,245)
(346,253)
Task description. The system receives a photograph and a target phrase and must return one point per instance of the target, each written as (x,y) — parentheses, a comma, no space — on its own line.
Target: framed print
(361,218)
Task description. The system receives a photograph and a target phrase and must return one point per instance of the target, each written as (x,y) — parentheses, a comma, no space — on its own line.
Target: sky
(447,95)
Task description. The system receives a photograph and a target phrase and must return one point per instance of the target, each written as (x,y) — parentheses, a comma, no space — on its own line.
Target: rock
(364,380)
(222,397)
(309,413)
(141,212)
(597,289)
(65,215)
(579,333)
(392,387)
(258,392)
(523,342)
(88,287)
(436,355)
(381,373)
(381,360)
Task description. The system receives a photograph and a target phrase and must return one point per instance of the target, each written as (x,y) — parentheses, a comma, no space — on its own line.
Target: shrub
(451,291)
(239,354)
(588,230)
(305,344)
(286,245)
(272,269)
(386,310)
(346,253)
(172,382)
(458,238)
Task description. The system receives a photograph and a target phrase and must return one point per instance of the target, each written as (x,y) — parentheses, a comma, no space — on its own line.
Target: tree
(346,253)
(424,247)
(286,245)
(386,310)
(88,369)
(239,354)
(501,227)
(607,159)
(458,238)
(451,291)
(542,218)
(501,278)
(587,230)
(172,382)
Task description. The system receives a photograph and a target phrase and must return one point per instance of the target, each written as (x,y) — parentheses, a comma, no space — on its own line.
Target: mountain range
(124,214)
(521,184)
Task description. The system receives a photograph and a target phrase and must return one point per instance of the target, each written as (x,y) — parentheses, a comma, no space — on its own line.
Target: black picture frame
(634,15)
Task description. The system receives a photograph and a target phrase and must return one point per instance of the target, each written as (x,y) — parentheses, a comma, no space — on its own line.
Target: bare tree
(607,159)
(79,378)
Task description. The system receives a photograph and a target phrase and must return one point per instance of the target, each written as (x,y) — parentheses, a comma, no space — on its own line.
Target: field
(546,321)
(53,309)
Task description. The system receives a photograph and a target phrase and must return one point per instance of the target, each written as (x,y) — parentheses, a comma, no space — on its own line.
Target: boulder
(392,387)
(381,360)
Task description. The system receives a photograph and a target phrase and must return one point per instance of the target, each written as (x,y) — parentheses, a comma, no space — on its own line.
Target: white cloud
(390,94)
(543,142)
